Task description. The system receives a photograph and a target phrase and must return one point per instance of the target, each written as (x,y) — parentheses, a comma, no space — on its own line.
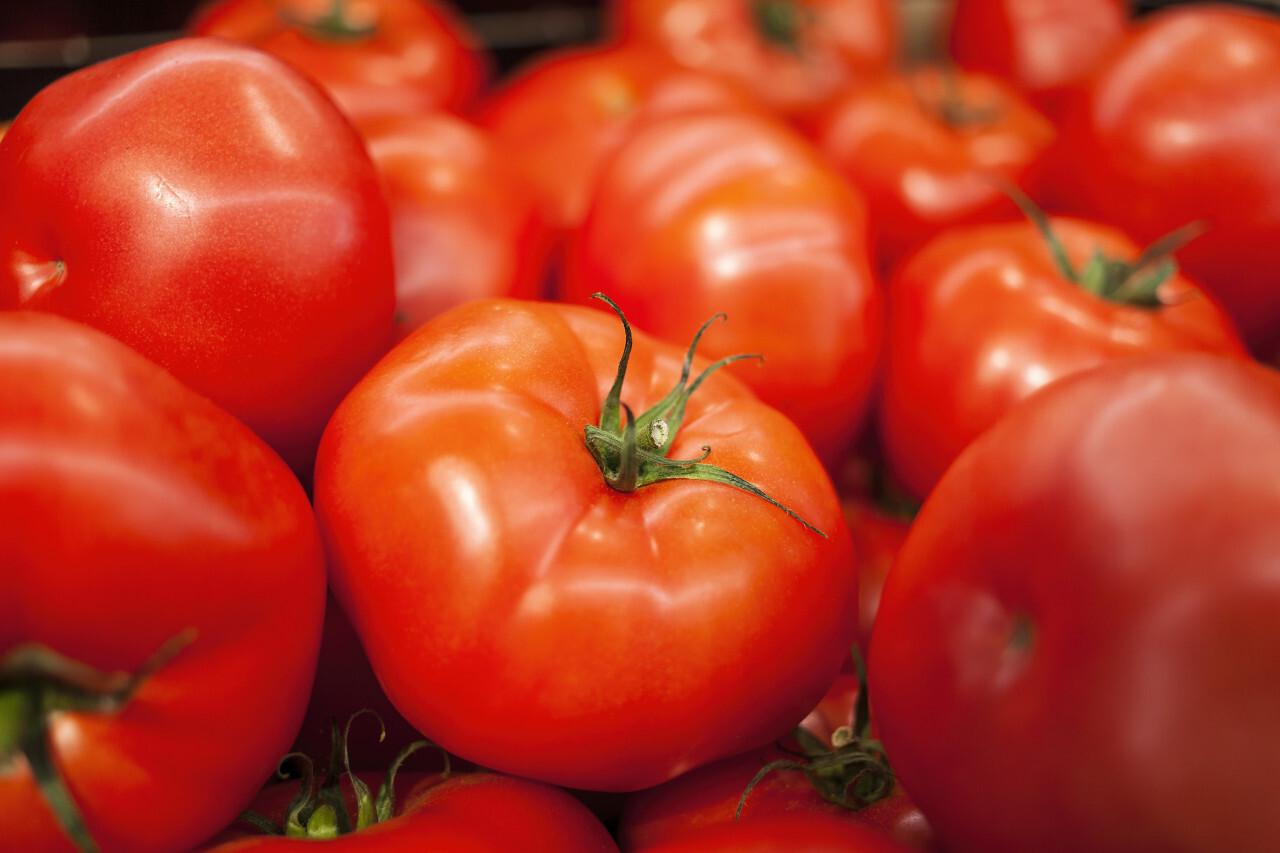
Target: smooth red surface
(418,55)
(981,317)
(1078,638)
(528,617)
(1176,126)
(932,148)
(132,510)
(207,205)
(727,211)
(465,222)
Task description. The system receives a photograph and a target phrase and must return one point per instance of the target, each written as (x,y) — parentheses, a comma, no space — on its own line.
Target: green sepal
(623,444)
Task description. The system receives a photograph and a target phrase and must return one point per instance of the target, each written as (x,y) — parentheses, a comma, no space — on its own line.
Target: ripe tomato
(877,536)
(1045,48)
(467,813)
(465,223)
(984,315)
(733,211)
(793,54)
(560,115)
(528,616)
(207,205)
(929,149)
(1090,585)
(150,671)
(374,57)
(789,833)
(1176,125)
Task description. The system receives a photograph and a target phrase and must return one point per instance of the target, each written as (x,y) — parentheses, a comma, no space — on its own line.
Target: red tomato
(464,222)
(467,813)
(982,316)
(206,205)
(1045,48)
(733,211)
(1091,584)
(145,532)
(793,54)
(374,57)
(791,833)
(560,115)
(711,795)
(1177,125)
(526,615)
(877,536)
(930,149)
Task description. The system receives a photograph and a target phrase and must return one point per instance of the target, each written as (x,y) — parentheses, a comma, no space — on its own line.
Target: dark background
(42,39)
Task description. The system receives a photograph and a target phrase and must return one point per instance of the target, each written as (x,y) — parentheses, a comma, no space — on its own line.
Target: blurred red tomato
(1178,125)
(794,55)
(465,223)
(932,148)
(559,116)
(983,315)
(1043,47)
(734,212)
(374,57)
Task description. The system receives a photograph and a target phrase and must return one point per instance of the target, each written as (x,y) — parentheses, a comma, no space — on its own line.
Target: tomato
(732,211)
(793,54)
(930,149)
(208,206)
(1045,48)
(464,222)
(983,316)
(790,833)
(877,535)
(1175,126)
(374,57)
(530,616)
(150,670)
(738,790)
(558,116)
(467,813)
(1090,584)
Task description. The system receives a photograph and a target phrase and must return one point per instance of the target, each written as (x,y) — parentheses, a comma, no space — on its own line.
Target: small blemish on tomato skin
(36,278)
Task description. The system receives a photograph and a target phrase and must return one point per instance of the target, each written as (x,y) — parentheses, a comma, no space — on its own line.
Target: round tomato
(1079,637)
(374,57)
(733,211)
(207,205)
(931,148)
(984,315)
(559,116)
(786,833)
(1045,48)
(530,615)
(161,596)
(1176,126)
(465,223)
(793,55)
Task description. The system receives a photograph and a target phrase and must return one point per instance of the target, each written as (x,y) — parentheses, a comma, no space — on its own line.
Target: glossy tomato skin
(1044,48)
(416,56)
(465,223)
(474,543)
(981,317)
(734,212)
(1091,582)
(835,45)
(208,206)
(560,115)
(930,148)
(465,813)
(1175,127)
(132,510)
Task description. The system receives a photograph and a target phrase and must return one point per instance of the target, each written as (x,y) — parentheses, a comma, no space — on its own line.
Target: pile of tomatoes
(717,436)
